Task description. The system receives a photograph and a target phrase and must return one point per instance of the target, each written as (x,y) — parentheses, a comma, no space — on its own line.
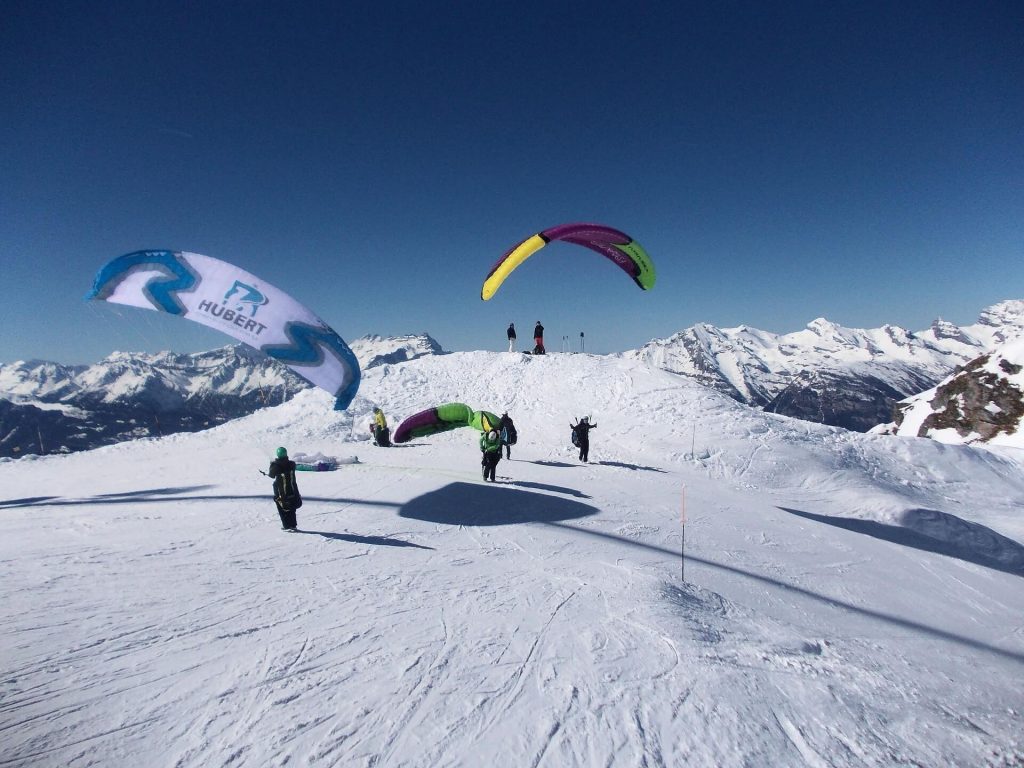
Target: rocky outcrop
(983,401)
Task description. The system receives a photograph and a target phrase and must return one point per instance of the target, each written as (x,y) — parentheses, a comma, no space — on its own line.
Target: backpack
(290,496)
(575,438)
(509,434)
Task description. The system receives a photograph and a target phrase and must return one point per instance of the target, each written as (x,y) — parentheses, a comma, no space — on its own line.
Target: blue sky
(779,162)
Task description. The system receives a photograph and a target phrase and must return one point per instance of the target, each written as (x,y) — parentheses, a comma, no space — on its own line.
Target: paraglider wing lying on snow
(443,418)
(617,246)
(222,296)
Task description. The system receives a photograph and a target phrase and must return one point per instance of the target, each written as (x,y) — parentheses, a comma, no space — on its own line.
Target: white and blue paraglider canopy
(229,299)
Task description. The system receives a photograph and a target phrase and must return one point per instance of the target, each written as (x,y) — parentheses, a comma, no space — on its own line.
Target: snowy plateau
(845,599)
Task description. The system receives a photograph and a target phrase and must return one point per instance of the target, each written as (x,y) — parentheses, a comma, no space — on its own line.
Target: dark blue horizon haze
(779,162)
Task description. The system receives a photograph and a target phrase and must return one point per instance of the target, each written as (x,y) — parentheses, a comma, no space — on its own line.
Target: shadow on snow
(472,504)
(377,541)
(545,487)
(938,532)
(155,497)
(628,466)
(28,501)
(156,492)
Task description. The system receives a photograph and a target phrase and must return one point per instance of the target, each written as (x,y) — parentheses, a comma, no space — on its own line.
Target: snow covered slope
(827,373)
(849,599)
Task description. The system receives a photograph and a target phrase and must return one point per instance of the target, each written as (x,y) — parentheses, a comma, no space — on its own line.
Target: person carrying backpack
(581,436)
(508,434)
(538,339)
(490,447)
(286,490)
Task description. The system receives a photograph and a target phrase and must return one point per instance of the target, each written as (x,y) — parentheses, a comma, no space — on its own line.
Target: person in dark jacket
(511,333)
(286,490)
(507,433)
(582,432)
(538,339)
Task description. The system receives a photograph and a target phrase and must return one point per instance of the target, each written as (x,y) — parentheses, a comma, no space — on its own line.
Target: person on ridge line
(538,339)
(511,333)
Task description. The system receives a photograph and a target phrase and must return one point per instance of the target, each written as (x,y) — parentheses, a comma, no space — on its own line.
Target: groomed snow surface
(849,600)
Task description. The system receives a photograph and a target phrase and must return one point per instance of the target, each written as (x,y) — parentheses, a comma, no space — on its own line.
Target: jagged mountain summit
(376,350)
(47,407)
(982,402)
(827,373)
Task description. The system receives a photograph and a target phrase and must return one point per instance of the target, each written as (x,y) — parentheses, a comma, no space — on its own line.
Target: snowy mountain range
(827,373)
(46,407)
(846,600)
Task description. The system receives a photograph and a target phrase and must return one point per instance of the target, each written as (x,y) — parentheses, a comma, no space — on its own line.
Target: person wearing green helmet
(286,489)
(490,447)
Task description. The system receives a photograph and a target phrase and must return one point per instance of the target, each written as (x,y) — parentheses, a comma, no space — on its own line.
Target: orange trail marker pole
(682,549)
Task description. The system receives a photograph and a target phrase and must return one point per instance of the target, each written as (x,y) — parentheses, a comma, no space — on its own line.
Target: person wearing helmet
(538,339)
(490,447)
(286,490)
(511,333)
(582,433)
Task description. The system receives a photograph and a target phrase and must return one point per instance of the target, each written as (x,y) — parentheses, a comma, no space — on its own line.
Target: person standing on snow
(490,447)
(286,490)
(582,432)
(511,333)
(507,433)
(538,339)
(379,429)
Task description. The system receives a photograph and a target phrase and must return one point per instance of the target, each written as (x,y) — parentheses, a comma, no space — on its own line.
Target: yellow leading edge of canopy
(520,254)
